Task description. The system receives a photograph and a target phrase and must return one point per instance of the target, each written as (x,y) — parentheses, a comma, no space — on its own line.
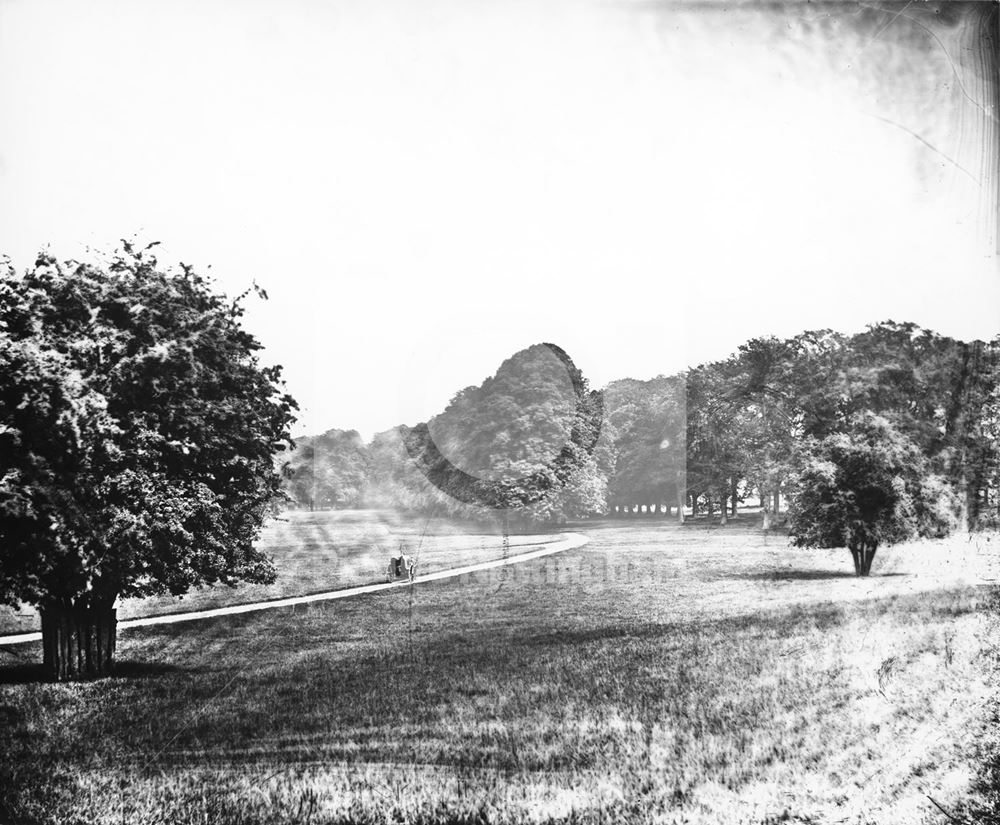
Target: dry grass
(657,675)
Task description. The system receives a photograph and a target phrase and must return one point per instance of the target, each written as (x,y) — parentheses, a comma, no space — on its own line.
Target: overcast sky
(424,188)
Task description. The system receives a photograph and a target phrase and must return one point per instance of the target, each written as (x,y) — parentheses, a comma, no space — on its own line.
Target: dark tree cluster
(874,438)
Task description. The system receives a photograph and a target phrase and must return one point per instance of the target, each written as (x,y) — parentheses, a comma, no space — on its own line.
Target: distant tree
(965,439)
(933,389)
(521,442)
(767,416)
(328,470)
(299,475)
(137,434)
(583,494)
(989,516)
(865,488)
(643,440)
(717,433)
(388,483)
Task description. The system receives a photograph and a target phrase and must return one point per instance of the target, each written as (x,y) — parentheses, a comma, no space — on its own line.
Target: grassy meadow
(327,550)
(659,674)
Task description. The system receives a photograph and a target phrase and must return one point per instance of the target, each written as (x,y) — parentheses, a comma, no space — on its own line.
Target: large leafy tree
(933,389)
(866,487)
(137,434)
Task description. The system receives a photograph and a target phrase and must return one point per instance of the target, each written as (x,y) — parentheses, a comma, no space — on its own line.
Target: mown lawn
(656,675)
(327,550)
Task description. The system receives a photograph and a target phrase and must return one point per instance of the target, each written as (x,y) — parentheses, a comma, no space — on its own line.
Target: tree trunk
(776,507)
(957,427)
(732,496)
(694,504)
(681,501)
(863,557)
(78,640)
(723,507)
(972,503)
(867,556)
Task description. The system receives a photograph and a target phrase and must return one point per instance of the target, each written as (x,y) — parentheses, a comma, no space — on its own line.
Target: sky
(424,188)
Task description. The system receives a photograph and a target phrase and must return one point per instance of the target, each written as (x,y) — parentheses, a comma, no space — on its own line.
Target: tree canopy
(328,470)
(720,432)
(523,441)
(866,487)
(137,429)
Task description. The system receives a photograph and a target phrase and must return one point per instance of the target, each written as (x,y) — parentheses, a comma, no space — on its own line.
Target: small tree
(866,488)
(137,433)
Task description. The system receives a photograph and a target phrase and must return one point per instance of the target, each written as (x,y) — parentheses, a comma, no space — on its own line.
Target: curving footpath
(570,541)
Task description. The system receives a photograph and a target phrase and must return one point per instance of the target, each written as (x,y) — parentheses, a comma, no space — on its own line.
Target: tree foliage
(644,440)
(869,486)
(328,471)
(137,429)
(716,434)
(522,441)
(758,415)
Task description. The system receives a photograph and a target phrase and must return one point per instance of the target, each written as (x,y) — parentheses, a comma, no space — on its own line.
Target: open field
(326,550)
(658,674)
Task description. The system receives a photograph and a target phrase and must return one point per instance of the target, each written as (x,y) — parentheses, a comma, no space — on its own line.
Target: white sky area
(424,188)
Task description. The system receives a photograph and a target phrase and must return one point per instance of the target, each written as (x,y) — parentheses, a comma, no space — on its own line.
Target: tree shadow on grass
(25,673)
(804,575)
(21,673)
(131,669)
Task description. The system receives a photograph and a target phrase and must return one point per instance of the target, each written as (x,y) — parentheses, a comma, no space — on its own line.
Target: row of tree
(525,442)
(770,423)
(768,417)
(142,443)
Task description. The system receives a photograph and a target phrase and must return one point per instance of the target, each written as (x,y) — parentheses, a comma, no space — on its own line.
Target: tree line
(143,444)
(780,420)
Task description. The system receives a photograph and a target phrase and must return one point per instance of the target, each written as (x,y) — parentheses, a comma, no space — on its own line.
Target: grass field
(327,550)
(658,674)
